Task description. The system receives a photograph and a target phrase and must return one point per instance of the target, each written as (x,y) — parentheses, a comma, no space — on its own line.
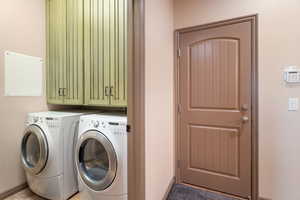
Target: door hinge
(128,128)
(178,163)
(179,108)
(178,52)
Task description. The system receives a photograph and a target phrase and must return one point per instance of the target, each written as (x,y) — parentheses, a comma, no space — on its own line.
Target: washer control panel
(34,120)
(52,122)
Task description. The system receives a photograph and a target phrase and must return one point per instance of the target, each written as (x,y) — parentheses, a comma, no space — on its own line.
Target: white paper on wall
(23,75)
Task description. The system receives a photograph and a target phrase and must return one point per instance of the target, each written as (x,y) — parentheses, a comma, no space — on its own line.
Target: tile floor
(28,195)
(182,192)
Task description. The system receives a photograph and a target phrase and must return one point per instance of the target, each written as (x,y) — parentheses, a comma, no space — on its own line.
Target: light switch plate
(293,104)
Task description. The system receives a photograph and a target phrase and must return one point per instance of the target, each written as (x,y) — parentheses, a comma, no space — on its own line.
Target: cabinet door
(97,21)
(118,53)
(73,82)
(56,50)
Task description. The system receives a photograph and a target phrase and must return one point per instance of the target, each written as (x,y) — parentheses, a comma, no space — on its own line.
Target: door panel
(97,18)
(215,74)
(56,50)
(118,74)
(225,153)
(73,82)
(215,99)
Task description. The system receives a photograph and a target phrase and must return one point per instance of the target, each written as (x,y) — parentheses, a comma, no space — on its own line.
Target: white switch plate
(293,104)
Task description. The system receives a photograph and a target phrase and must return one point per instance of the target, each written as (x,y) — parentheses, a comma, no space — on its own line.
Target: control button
(96,124)
(35,119)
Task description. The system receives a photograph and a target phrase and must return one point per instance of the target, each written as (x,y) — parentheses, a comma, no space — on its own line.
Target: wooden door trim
(136,100)
(254,91)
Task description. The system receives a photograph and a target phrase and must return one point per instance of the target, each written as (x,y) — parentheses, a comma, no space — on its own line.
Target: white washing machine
(47,153)
(101,157)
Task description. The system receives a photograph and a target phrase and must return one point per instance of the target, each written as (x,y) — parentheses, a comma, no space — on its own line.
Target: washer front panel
(96,160)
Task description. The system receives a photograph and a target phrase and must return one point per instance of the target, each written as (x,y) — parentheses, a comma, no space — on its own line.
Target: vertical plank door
(97,22)
(118,53)
(73,70)
(215,101)
(56,50)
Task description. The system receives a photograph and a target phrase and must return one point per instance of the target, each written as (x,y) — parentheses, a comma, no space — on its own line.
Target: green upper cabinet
(87,52)
(118,53)
(105,51)
(65,52)
(56,50)
(75,66)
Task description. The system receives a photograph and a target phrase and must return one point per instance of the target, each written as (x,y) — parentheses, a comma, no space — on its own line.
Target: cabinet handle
(59,92)
(64,91)
(111,91)
(106,91)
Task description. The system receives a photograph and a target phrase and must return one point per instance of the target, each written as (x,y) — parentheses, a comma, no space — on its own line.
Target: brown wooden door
(215,103)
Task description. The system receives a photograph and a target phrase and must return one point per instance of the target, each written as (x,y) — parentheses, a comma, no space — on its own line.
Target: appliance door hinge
(128,128)
(179,52)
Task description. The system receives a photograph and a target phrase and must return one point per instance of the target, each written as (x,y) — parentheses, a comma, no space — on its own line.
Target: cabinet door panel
(97,39)
(118,53)
(74,67)
(56,50)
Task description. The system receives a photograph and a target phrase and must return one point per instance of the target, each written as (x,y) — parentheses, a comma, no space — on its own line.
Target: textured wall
(22,29)
(279,39)
(159,97)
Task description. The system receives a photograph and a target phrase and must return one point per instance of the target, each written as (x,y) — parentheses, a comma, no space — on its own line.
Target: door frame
(136,99)
(254,92)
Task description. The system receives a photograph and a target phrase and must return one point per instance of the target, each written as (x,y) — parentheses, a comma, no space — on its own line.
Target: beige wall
(22,29)
(159,98)
(279,40)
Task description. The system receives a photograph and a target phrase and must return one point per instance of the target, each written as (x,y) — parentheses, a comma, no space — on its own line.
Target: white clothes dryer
(101,157)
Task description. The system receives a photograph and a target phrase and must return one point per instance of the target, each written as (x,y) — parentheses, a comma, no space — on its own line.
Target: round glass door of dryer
(34,150)
(96,160)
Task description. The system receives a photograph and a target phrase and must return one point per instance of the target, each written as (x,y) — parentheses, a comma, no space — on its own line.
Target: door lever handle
(245,119)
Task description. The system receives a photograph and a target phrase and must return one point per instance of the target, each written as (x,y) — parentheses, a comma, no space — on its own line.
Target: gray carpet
(182,192)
